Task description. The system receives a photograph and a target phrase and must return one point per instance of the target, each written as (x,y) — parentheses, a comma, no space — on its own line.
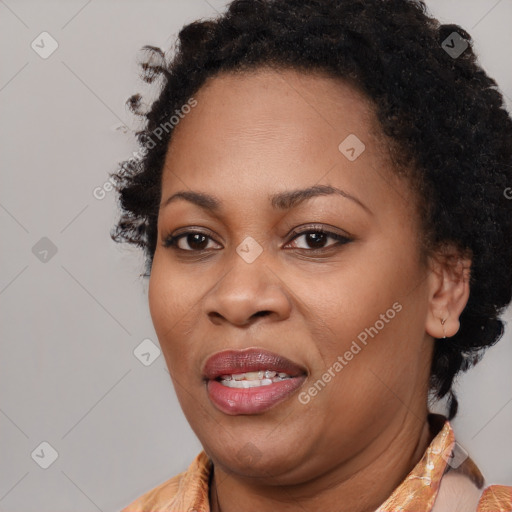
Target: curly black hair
(443,116)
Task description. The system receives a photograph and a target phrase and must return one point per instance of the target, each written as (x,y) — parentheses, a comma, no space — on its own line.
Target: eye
(196,240)
(316,237)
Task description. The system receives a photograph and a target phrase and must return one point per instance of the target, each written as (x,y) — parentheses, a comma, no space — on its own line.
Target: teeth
(247,383)
(254,375)
(253,379)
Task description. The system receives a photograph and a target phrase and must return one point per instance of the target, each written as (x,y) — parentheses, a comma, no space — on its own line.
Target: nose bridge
(248,288)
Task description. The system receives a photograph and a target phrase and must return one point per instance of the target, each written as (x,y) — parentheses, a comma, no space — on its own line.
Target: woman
(320,194)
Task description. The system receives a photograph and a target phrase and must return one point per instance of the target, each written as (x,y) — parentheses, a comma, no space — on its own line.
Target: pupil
(317,238)
(192,240)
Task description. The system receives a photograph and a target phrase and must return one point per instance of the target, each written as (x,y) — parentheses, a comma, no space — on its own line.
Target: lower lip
(251,400)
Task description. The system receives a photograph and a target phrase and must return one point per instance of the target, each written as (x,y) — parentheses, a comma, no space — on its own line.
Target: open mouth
(250,381)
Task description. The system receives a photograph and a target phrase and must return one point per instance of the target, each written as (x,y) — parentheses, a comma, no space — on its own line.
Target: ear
(448,292)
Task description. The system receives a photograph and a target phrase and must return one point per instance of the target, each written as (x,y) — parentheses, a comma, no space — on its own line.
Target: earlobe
(443,321)
(448,295)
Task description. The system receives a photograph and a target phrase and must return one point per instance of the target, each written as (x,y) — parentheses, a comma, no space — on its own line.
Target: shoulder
(496,498)
(186,491)
(462,490)
(458,494)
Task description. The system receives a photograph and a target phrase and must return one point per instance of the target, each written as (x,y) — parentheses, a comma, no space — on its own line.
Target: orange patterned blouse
(444,480)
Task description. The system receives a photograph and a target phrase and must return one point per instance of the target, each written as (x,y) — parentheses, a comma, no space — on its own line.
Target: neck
(334,490)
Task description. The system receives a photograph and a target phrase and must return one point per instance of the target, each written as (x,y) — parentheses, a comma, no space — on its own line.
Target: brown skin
(252,135)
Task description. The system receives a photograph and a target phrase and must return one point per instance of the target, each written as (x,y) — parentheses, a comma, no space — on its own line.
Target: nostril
(262,313)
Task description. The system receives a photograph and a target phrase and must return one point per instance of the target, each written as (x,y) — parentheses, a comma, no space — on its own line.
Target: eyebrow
(280,201)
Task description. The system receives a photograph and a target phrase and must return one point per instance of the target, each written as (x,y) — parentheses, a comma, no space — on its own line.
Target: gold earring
(442,323)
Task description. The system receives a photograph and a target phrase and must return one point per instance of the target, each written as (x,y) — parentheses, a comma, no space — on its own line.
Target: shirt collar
(419,489)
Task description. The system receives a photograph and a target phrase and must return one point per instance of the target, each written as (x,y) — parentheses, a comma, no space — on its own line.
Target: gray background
(70,324)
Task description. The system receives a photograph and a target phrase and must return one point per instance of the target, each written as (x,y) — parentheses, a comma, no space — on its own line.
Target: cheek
(160,307)
(342,304)
(171,296)
(374,355)
(171,305)
(371,316)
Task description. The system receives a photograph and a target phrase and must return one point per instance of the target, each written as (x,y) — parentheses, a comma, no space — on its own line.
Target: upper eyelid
(301,229)
(325,228)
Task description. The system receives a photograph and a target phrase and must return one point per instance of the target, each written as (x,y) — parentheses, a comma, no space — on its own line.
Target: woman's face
(348,307)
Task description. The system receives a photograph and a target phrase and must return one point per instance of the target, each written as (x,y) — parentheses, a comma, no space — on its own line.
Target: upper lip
(228,362)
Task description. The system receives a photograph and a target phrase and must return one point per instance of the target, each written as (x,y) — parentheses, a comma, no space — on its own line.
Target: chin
(265,461)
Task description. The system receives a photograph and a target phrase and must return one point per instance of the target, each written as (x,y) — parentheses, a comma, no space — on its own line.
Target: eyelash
(172,241)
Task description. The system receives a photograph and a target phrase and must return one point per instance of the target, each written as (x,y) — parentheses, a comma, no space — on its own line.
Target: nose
(247,292)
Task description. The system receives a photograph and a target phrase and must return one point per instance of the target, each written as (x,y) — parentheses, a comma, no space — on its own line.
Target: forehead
(267,130)
(266,104)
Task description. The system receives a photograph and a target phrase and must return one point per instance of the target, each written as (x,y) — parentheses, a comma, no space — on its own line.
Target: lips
(251,400)
(249,360)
